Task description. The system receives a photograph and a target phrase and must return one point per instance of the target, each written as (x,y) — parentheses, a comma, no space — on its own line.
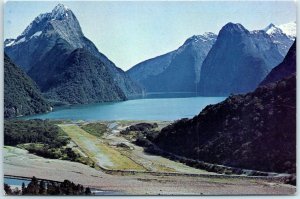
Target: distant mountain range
(238,61)
(66,65)
(68,68)
(235,61)
(253,131)
(21,95)
(177,71)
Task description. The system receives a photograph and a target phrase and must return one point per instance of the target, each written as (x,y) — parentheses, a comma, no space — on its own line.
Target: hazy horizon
(131,32)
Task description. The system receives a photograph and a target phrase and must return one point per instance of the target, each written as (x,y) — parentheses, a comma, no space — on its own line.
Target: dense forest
(21,95)
(253,131)
(33,131)
(44,187)
(43,138)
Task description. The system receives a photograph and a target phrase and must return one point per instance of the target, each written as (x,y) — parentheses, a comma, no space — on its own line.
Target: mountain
(252,131)
(50,42)
(21,95)
(282,35)
(285,69)
(238,61)
(176,71)
(289,29)
(82,78)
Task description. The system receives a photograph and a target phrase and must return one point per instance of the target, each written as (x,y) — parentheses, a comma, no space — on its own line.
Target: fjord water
(165,107)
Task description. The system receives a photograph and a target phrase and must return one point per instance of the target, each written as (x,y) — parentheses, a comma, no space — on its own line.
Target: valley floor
(124,167)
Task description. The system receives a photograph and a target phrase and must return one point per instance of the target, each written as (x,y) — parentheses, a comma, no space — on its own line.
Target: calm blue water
(15,182)
(18,182)
(136,109)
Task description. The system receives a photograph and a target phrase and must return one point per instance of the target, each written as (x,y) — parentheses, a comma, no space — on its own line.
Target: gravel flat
(19,162)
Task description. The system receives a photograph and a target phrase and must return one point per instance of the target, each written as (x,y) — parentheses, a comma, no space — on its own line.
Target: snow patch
(10,43)
(38,33)
(20,41)
(289,29)
(272,29)
(59,12)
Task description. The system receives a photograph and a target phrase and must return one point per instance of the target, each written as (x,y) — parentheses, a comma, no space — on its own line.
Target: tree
(33,187)
(7,189)
(42,188)
(23,189)
(88,191)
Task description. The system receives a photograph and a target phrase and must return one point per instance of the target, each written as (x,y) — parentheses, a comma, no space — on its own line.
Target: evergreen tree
(33,187)
(7,189)
(88,191)
(42,188)
(23,188)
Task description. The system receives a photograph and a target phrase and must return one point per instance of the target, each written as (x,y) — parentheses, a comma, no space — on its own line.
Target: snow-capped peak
(60,11)
(36,27)
(289,29)
(272,29)
(269,27)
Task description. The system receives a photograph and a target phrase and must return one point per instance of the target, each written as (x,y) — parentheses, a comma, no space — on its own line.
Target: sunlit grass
(95,148)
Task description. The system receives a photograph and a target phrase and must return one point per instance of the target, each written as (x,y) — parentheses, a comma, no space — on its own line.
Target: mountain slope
(151,67)
(289,29)
(253,131)
(238,61)
(48,42)
(285,69)
(83,79)
(21,95)
(283,36)
(177,71)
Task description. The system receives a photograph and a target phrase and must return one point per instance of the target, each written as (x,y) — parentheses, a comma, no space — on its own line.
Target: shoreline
(95,191)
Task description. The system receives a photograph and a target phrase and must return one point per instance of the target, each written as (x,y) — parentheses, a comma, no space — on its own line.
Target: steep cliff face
(45,45)
(238,61)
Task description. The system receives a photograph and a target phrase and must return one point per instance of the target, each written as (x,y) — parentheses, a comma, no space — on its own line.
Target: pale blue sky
(131,32)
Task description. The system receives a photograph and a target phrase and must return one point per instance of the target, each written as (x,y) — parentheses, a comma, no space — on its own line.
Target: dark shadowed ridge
(253,131)
(285,69)
(21,95)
